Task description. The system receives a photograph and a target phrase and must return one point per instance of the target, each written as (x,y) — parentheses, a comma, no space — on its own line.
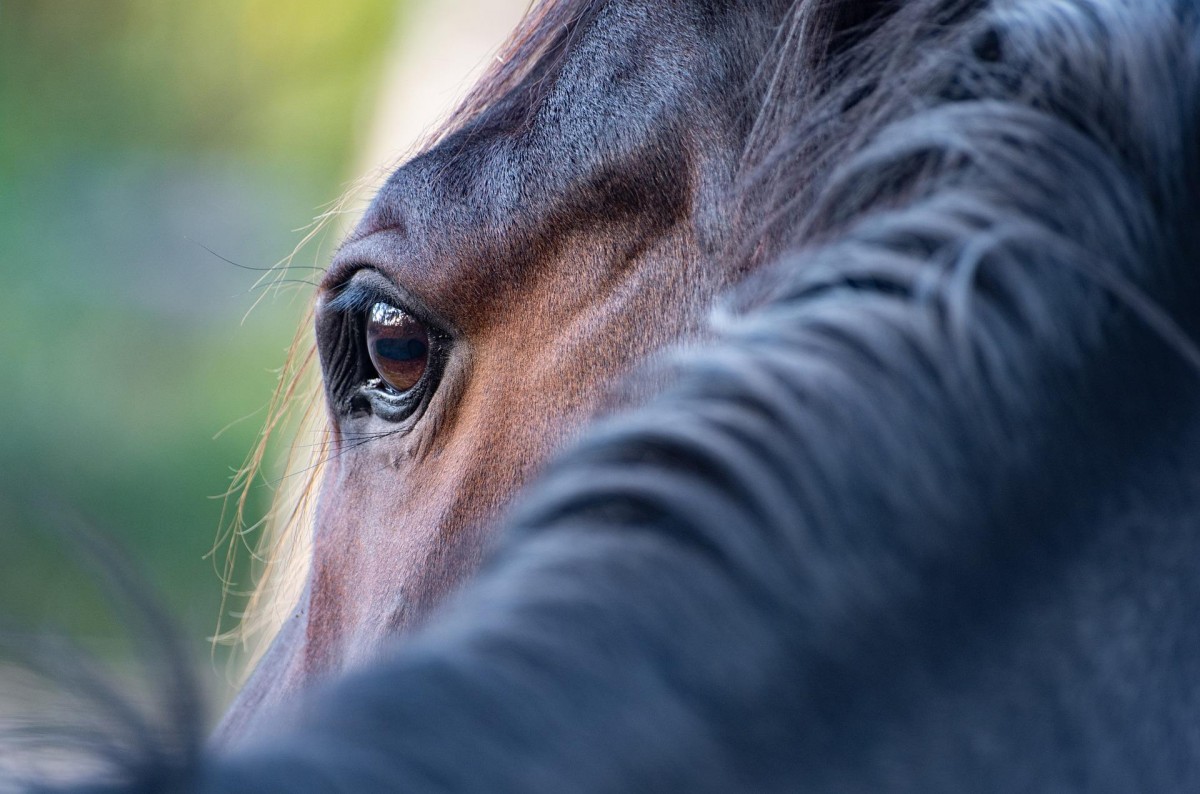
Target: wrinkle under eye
(398,344)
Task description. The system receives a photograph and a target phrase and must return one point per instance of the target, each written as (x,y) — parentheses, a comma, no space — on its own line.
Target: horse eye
(398,344)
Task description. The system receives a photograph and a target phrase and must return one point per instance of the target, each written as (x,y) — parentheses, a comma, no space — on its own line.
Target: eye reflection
(398,344)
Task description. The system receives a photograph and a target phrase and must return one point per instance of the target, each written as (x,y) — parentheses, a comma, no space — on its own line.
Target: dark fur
(925,518)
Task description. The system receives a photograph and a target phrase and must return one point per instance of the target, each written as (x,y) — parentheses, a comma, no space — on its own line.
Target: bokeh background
(155,155)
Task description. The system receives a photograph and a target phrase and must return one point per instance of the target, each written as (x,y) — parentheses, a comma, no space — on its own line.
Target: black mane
(924,516)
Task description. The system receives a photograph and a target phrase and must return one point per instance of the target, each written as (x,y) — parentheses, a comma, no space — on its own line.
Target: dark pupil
(398,344)
(401,349)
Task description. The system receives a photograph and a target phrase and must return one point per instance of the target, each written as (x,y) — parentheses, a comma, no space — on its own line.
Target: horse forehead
(629,87)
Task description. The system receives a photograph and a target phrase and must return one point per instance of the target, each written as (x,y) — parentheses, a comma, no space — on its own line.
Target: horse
(911,507)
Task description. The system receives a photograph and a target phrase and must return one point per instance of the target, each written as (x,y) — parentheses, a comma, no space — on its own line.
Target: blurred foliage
(280,82)
(133,135)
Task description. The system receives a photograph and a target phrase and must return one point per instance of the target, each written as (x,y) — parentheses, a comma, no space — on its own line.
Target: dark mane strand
(848,69)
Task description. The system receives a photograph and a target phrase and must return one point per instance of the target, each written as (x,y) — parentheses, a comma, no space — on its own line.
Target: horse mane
(982,230)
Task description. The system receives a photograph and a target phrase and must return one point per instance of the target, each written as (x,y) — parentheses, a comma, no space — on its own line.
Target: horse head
(500,286)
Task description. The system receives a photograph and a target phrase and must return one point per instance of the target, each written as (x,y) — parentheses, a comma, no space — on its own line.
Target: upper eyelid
(359,295)
(366,287)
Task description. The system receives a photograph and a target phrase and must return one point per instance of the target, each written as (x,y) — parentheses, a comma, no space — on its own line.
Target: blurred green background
(133,134)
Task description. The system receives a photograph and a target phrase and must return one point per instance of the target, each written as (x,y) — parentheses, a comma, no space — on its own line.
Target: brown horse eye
(398,344)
